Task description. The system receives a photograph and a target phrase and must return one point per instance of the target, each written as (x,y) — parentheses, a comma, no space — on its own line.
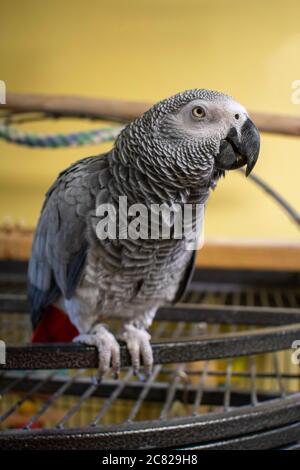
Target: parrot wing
(190,268)
(60,244)
(186,280)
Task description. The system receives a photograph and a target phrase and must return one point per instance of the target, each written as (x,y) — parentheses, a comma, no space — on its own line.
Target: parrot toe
(138,344)
(108,348)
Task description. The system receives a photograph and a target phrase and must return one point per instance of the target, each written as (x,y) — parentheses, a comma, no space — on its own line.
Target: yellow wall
(146,50)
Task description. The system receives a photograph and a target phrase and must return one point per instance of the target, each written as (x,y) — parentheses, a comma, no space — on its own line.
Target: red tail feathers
(54,327)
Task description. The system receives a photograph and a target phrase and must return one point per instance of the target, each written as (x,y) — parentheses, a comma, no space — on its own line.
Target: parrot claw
(108,348)
(138,344)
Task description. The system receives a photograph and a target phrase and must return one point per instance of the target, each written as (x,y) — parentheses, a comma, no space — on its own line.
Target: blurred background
(147,50)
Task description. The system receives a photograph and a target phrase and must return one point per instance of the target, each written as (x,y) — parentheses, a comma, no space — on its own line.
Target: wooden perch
(122,111)
(15,243)
(114,110)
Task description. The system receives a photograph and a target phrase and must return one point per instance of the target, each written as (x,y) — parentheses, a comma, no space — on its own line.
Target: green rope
(75,139)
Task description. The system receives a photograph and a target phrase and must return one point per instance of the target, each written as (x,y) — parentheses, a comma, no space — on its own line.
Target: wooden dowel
(15,243)
(122,111)
(115,110)
(277,123)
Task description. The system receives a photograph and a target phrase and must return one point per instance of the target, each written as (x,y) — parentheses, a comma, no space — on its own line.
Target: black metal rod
(278,198)
(73,356)
(267,440)
(176,432)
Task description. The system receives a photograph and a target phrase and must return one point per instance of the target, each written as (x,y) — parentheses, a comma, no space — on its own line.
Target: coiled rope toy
(90,137)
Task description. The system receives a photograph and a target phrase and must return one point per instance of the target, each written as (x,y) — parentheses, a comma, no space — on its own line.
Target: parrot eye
(198,112)
(236,116)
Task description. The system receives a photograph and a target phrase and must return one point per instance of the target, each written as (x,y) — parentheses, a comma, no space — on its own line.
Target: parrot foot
(108,348)
(138,344)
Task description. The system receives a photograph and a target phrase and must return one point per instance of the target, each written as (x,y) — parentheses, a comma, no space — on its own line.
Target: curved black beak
(236,151)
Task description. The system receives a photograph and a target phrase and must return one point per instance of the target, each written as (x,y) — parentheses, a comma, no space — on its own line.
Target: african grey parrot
(173,153)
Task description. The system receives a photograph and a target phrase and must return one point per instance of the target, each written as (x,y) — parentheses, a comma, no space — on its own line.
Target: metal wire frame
(12,303)
(245,415)
(213,430)
(53,386)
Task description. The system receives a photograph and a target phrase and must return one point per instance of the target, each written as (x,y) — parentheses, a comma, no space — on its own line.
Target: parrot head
(192,137)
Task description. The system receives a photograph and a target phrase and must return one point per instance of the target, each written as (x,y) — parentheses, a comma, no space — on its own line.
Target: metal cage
(223,376)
